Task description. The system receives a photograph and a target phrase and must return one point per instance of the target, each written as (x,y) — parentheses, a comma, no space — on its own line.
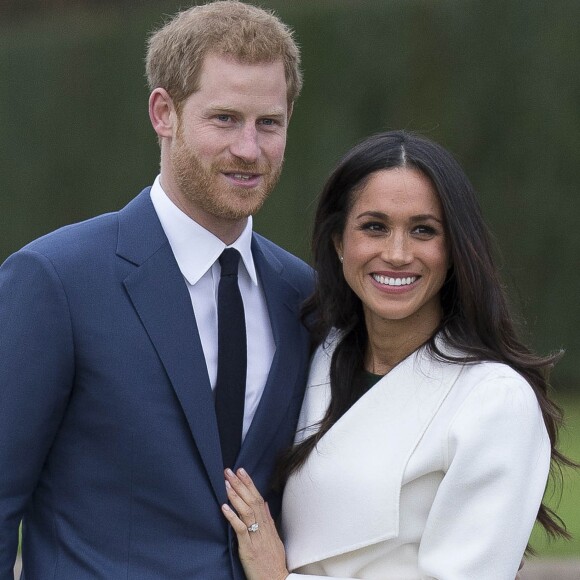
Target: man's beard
(205,187)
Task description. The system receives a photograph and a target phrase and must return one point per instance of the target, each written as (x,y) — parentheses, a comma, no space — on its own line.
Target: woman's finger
(245,478)
(245,512)
(237,524)
(247,499)
(243,485)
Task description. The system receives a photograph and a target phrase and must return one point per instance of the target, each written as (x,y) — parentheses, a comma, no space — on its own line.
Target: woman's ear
(162,113)
(338,246)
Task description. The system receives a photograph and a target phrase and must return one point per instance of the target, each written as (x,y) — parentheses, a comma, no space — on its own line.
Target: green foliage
(495,81)
(565,504)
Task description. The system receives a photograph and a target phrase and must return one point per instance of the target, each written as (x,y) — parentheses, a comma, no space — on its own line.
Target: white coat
(437,472)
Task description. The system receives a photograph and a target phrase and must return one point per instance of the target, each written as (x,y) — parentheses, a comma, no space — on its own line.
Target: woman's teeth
(394,281)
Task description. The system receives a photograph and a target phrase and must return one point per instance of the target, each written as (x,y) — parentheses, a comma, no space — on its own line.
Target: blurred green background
(497,82)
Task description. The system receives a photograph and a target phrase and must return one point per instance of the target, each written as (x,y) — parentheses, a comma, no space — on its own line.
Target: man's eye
(223,118)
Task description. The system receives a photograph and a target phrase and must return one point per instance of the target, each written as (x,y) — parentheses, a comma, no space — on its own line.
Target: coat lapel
(372,442)
(159,295)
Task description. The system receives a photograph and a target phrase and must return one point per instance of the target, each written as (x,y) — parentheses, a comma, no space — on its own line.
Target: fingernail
(229,472)
(226,507)
(243,471)
(228,486)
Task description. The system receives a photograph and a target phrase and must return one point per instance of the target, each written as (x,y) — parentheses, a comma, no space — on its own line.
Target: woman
(426,435)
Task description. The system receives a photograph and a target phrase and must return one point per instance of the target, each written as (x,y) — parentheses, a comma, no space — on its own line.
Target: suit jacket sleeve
(36,372)
(498,461)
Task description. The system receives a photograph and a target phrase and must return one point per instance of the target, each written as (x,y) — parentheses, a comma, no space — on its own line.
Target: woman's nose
(397,250)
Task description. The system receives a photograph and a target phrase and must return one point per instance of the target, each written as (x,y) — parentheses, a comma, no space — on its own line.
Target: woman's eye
(424,230)
(373,227)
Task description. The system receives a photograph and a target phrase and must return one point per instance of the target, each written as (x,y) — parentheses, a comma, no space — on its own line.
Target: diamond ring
(254,527)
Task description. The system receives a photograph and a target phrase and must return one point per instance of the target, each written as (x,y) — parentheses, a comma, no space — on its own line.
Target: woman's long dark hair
(476,318)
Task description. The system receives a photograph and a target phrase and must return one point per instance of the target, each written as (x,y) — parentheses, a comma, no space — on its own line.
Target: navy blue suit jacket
(109,447)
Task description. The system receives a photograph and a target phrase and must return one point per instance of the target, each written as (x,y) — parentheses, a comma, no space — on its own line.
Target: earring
(341,259)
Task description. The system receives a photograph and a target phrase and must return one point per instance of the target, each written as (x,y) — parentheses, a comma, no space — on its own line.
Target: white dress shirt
(196,251)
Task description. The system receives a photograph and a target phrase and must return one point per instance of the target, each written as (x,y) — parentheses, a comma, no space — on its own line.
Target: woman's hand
(261,550)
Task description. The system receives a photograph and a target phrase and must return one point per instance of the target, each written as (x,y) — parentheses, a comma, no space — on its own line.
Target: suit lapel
(159,295)
(283,303)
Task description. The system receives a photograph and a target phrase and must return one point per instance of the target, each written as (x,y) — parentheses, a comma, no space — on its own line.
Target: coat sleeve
(36,373)
(498,457)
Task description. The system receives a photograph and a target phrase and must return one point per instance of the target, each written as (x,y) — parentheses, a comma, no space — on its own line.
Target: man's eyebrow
(217,108)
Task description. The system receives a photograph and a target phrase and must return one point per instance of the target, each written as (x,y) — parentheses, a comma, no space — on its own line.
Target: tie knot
(229,262)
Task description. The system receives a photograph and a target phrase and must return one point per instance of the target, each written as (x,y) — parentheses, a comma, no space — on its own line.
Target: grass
(567,506)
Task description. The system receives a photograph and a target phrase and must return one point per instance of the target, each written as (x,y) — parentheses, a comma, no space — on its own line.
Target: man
(109,441)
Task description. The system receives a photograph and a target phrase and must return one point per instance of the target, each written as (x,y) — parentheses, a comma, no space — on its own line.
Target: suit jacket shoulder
(295,271)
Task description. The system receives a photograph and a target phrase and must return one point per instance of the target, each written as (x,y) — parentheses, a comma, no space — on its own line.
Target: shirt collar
(195,248)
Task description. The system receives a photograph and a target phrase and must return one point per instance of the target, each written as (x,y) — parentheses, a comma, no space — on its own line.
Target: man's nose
(245,145)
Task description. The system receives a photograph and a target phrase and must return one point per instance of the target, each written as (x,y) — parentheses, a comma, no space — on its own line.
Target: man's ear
(162,113)
(290,109)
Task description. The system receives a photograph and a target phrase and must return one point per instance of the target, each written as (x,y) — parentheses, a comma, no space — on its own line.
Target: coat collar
(374,439)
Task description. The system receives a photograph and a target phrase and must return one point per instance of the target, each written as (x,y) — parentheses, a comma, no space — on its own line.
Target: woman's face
(394,247)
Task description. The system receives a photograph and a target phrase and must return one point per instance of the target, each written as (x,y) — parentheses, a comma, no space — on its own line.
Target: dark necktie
(230,389)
